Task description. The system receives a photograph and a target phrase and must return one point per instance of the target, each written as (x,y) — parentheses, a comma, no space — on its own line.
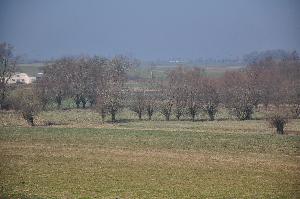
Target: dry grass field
(81,157)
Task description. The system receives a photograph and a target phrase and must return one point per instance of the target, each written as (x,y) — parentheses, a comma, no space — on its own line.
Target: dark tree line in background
(100,83)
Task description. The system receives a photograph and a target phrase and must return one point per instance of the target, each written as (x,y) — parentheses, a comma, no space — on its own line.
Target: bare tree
(97,80)
(44,92)
(57,79)
(166,108)
(7,69)
(178,84)
(238,96)
(150,104)
(210,97)
(166,100)
(276,81)
(138,103)
(194,101)
(113,95)
(149,109)
(101,107)
(79,80)
(179,102)
(290,69)
(114,100)
(152,96)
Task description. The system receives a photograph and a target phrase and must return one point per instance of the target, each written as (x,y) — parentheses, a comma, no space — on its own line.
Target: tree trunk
(113,116)
(92,102)
(103,114)
(211,116)
(211,111)
(77,101)
(249,111)
(168,117)
(178,114)
(58,104)
(140,115)
(58,100)
(279,128)
(193,117)
(3,95)
(248,116)
(83,100)
(193,113)
(150,112)
(31,121)
(169,111)
(83,103)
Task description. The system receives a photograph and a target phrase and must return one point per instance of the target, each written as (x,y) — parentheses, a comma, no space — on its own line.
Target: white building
(21,78)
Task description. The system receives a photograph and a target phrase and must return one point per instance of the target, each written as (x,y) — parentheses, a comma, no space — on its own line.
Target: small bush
(243,111)
(24,100)
(278,120)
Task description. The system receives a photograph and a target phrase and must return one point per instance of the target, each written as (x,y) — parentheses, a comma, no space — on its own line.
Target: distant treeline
(247,59)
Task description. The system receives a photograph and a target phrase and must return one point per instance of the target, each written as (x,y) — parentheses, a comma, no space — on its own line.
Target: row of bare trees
(268,83)
(188,91)
(100,83)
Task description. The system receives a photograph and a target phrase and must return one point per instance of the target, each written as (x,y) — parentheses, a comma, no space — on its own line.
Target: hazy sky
(149,29)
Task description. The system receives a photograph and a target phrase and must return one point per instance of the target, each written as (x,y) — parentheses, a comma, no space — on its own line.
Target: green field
(31,69)
(85,158)
(158,72)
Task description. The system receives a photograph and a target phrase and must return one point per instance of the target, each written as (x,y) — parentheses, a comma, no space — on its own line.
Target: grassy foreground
(222,159)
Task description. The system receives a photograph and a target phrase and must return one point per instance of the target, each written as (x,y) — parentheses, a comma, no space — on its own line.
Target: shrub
(278,120)
(243,111)
(211,110)
(24,100)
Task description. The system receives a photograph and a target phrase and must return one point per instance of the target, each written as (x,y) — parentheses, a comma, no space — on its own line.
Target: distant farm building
(21,78)
(39,76)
